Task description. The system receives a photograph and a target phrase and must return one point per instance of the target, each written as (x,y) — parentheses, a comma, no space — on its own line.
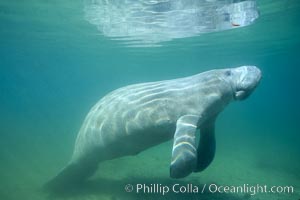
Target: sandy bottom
(237,163)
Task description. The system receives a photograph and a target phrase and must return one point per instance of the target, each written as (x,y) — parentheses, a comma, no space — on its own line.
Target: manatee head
(243,80)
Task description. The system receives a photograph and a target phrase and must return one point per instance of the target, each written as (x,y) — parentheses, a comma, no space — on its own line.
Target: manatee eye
(228,72)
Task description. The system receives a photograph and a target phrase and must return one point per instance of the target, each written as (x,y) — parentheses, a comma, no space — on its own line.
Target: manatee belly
(139,141)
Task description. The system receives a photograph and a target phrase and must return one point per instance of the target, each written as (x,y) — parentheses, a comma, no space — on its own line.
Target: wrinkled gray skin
(136,117)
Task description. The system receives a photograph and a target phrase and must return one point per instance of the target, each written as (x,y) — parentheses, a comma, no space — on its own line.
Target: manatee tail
(71,176)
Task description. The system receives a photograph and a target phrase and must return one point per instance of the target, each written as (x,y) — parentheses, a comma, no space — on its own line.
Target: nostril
(228,73)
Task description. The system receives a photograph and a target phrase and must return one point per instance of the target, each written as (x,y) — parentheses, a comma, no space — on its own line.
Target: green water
(54,66)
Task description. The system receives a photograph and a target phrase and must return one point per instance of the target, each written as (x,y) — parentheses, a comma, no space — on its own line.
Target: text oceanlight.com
(206,188)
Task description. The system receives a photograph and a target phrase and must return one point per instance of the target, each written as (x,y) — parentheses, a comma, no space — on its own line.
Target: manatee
(137,117)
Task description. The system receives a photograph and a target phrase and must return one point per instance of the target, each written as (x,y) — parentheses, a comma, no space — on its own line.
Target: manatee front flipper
(184,153)
(207,145)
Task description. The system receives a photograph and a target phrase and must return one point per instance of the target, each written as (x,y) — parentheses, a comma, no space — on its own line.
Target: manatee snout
(246,80)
